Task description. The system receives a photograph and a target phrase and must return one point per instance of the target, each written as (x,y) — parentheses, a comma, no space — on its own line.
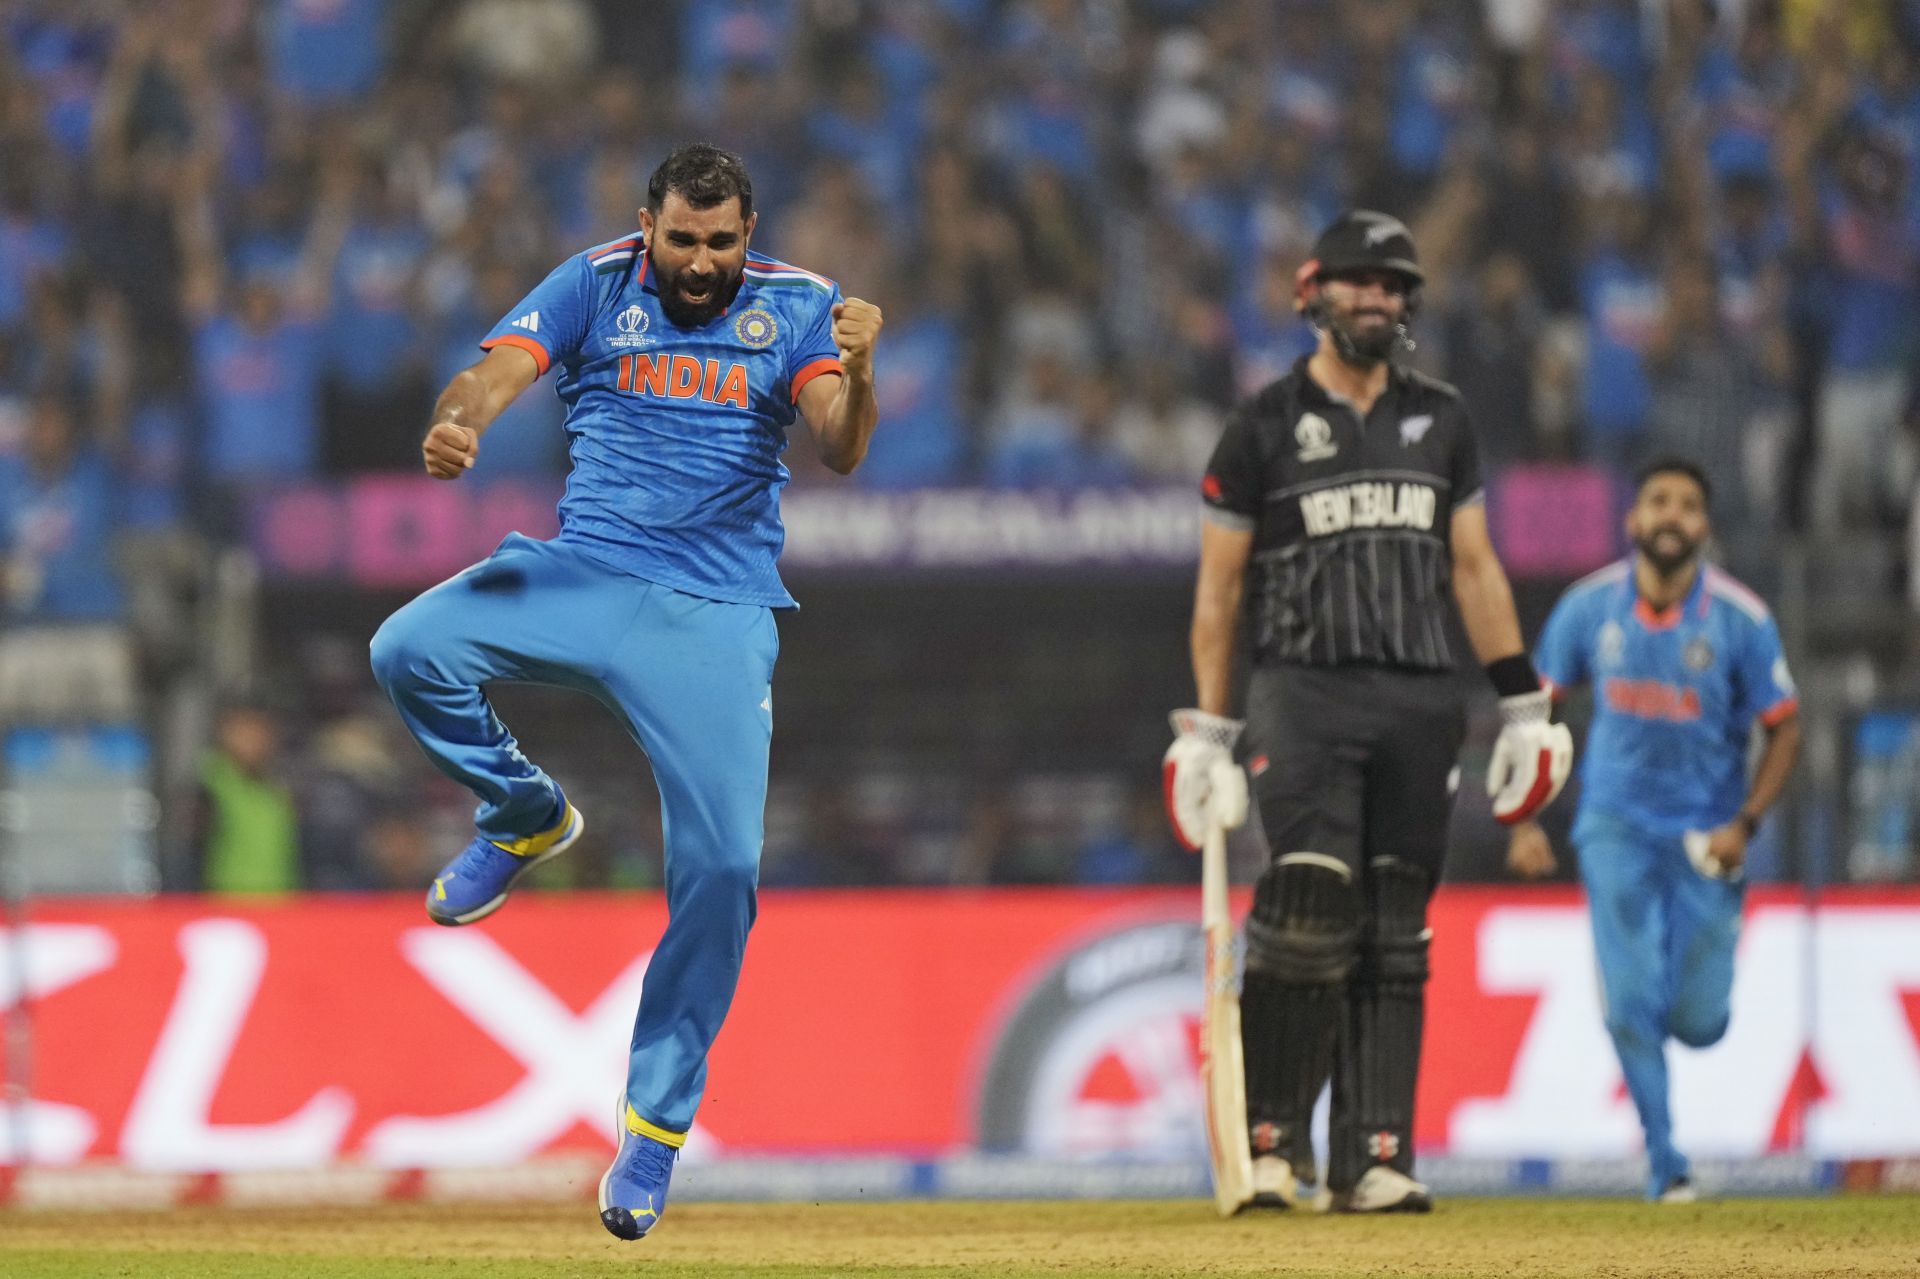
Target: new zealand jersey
(676,433)
(1351,518)
(1675,695)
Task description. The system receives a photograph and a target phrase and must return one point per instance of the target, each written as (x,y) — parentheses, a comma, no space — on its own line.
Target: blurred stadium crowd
(243,242)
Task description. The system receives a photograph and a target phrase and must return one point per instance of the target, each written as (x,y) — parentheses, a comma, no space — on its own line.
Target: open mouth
(1670,542)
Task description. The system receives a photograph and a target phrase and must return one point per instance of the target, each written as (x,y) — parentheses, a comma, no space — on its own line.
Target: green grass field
(1499,1239)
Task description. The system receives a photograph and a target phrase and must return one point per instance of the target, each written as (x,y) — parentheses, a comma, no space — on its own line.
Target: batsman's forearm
(1216,613)
(1776,765)
(471,401)
(850,421)
(1486,608)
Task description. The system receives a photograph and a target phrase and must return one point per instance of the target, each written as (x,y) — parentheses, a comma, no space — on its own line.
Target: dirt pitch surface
(1510,1239)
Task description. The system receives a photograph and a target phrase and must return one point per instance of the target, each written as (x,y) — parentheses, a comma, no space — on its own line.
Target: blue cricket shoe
(633,1192)
(476,883)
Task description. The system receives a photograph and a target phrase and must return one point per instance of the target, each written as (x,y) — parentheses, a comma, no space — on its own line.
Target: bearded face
(1668,522)
(1363,311)
(697,257)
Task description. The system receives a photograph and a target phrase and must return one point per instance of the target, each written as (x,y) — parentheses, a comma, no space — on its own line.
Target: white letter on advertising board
(1562,1099)
(1863,1041)
(54,956)
(167,1125)
(574,1065)
(1726,1099)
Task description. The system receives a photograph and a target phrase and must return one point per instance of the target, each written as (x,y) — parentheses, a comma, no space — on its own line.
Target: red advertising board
(206,1034)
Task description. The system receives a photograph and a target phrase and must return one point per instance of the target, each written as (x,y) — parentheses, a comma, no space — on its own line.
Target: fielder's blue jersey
(1675,695)
(675,433)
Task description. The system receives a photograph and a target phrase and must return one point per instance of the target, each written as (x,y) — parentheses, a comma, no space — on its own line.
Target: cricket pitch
(1462,1239)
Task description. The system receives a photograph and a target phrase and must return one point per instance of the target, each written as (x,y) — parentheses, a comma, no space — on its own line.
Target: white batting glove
(1202,782)
(1531,760)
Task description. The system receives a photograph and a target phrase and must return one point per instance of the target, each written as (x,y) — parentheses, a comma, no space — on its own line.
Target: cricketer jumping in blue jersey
(684,359)
(676,435)
(1679,681)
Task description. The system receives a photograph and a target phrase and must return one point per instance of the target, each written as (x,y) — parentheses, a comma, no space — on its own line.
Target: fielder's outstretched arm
(477,395)
(842,410)
(1216,611)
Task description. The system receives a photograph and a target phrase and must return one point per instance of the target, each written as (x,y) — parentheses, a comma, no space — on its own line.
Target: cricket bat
(1223,1075)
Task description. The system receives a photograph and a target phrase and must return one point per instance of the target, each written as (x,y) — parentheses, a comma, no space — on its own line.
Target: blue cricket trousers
(1664,935)
(691,678)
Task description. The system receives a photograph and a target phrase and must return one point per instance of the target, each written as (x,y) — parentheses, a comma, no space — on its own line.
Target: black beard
(693,315)
(1664,563)
(1369,346)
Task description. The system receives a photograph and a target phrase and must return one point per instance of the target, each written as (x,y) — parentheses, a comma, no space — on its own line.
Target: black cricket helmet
(1359,240)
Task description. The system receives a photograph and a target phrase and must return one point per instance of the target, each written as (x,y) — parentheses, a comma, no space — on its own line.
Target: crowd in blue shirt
(1082,216)
(244,242)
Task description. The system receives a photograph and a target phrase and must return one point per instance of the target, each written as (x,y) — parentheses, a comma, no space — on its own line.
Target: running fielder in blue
(1683,661)
(684,359)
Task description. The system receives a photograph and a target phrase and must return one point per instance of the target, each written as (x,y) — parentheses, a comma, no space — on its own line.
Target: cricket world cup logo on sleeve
(1783,678)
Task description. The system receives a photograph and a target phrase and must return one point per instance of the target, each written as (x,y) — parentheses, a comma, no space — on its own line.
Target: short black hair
(1674,464)
(703,176)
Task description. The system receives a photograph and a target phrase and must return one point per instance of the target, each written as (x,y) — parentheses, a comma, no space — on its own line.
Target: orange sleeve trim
(1780,711)
(531,347)
(808,372)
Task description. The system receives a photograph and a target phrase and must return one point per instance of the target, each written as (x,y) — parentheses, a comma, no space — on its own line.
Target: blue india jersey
(676,434)
(1675,695)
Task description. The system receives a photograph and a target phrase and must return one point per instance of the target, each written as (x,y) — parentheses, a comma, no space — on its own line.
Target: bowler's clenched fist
(449,450)
(856,326)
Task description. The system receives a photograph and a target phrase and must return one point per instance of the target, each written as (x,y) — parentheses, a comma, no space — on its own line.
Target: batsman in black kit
(1344,507)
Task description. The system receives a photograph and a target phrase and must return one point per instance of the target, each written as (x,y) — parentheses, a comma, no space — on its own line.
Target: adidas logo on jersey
(530,322)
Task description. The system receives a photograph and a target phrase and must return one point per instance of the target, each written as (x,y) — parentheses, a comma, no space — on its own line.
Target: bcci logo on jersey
(756,328)
(632,323)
